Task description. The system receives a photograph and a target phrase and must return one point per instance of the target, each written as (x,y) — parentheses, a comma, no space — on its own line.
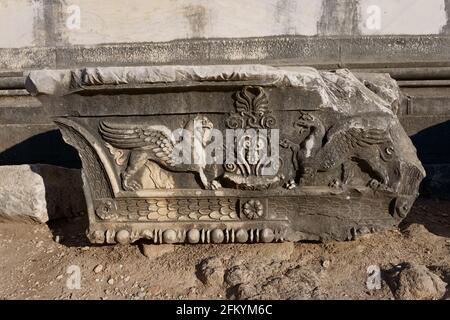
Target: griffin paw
(130,184)
(214,185)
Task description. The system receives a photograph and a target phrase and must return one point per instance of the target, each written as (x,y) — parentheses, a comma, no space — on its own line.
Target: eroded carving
(316,155)
(253,209)
(354,141)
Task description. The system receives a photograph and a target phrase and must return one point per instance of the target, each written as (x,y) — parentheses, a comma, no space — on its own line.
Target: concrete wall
(38,23)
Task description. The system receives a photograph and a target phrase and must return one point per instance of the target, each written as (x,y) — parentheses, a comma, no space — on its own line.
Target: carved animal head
(200,125)
(305,122)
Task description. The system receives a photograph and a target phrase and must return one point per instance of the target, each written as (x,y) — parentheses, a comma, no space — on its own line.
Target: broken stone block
(211,272)
(237,275)
(417,282)
(310,155)
(40,192)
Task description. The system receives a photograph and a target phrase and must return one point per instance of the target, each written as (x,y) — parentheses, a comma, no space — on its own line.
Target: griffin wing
(157,139)
(346,138)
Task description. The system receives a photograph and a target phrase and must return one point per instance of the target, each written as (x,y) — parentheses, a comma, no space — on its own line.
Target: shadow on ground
(433,214)
(71,232)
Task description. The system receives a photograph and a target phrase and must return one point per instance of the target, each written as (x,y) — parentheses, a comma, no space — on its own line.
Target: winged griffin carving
(157,144)
(346,142)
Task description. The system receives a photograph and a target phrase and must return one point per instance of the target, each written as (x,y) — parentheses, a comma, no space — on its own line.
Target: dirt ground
(35,261)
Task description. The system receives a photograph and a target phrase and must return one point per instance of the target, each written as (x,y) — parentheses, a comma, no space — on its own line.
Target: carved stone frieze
(225,154)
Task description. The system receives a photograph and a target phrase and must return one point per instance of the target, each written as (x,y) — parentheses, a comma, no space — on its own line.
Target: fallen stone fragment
(245,291)
(417,282)
(237,275)
(211,271)
(306,282)
(417,231)
(153,251)
(39,193)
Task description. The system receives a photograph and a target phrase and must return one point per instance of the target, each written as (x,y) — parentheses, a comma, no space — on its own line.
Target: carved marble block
(234,153)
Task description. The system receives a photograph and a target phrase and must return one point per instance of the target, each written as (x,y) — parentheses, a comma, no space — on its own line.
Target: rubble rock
(417,282)
(98,268)
(245,291)
(237,275)
(39,193)
(305,281)
(417,231)
(211,271)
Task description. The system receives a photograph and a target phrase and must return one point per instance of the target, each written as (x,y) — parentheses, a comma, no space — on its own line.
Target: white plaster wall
(159,20)
(405,16)
(16,23)
(26,22)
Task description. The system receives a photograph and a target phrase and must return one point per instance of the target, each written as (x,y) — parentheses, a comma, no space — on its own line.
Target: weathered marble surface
(347,166)
(40,193)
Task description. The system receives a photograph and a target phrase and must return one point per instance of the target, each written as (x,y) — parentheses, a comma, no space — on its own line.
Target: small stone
(417,282)
(155,289)
(153,251)
(98,268)
(59,277)
(326,264)
(211,271)
(127,278)
(245,291)
(57,239)
(111,281)
(85,248)
(237,275)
